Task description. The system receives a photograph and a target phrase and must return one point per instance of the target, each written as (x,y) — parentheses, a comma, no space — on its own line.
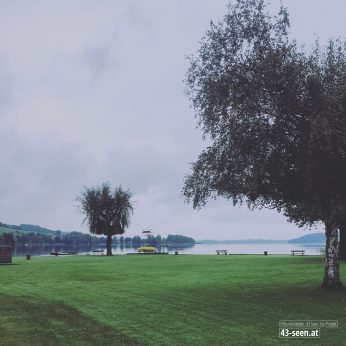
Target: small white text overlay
(304,328)
(298,333)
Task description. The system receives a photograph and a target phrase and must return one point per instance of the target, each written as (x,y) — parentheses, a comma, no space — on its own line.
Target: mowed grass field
(5,230)
(165,300)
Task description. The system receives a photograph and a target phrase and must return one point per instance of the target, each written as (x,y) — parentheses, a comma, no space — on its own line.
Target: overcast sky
(92,91)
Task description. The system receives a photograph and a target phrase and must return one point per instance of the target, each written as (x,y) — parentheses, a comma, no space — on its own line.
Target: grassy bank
(164,300)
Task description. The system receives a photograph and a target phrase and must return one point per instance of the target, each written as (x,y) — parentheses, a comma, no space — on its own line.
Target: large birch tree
(275,116)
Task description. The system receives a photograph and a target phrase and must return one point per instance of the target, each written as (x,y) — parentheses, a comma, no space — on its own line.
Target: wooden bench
(57,253)
(297,251)
(97,252)
(221,252)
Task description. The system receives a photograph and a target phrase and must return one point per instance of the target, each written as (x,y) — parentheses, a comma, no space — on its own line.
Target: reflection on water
(200,249)
(41,250)
(271,248)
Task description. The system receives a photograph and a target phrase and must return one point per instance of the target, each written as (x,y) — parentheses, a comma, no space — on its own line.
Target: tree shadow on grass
(229,313)
(24,321)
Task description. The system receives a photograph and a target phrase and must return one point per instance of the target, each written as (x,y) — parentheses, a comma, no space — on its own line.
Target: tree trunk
(109,245)
(331,271)
(342,245)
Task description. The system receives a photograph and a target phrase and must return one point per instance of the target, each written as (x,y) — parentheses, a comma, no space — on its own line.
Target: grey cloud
(38,175)
(91,91)
(97,60)
(6,96)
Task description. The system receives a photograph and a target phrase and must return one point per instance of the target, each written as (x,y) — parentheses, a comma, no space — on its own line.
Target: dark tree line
(5,225)
(17,238)
(30,238)
(178,239)
(154,240)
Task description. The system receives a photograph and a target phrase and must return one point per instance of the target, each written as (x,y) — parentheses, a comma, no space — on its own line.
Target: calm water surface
(271,248)
(197,249)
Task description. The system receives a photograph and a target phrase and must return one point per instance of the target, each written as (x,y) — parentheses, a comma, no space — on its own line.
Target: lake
(188,249)
(250,248)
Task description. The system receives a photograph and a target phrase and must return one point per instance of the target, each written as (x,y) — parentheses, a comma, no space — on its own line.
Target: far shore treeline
(23,235)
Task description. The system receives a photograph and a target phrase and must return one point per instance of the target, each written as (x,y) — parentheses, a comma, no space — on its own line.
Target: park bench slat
(221,252)
(298,251)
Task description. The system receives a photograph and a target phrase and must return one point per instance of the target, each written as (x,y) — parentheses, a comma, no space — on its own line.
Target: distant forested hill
(178,239)
(310,238)
(36,229)
(32,234)
(5,225)
(5,230)
(25,234)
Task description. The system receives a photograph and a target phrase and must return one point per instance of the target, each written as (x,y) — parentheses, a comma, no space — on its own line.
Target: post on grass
(5,255)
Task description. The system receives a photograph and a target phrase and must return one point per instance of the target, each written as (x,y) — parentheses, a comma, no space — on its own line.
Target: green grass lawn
(165,300)
(5,230)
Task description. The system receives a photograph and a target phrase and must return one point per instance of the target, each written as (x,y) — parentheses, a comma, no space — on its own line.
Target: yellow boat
(147,249)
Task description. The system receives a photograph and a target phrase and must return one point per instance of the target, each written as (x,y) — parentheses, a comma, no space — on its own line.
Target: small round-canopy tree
(276,119)
(107,212)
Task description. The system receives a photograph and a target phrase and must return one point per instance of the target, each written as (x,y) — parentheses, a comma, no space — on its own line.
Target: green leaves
(275,116)
(107,212)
